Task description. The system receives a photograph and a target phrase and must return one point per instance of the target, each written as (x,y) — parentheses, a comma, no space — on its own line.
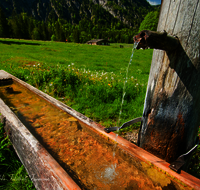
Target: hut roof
(95,40)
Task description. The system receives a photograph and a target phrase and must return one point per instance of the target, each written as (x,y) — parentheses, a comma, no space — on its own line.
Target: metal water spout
(156,40)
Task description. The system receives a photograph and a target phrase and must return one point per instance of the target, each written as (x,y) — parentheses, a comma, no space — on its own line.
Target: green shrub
(53,38)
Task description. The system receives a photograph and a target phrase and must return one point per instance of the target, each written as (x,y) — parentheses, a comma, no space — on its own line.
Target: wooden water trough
(63,149)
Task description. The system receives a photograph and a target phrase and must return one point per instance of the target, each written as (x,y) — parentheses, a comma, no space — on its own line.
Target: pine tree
(76,35)
(44,31)
(36,34)
(4,27)
(23,24)
(16,25)
(31,27)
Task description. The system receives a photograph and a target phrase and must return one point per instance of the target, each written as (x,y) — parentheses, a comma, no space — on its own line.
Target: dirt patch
(131,136)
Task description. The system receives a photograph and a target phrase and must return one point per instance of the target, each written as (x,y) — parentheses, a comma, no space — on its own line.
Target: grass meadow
(90,79)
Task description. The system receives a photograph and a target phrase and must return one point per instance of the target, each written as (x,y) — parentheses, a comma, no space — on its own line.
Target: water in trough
(85,155)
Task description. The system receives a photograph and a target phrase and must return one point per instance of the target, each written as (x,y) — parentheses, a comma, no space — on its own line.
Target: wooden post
(171,115)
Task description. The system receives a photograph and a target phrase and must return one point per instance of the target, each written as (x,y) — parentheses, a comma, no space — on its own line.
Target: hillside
(130,12)
(73,20)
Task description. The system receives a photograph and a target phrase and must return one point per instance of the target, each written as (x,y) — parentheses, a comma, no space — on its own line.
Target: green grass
(13,175)
(99,58)
(90,79)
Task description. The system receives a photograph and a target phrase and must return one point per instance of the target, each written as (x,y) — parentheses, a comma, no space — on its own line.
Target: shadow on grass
(18,43)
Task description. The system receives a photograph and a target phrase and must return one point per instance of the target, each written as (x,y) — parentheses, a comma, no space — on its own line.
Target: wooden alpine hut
(98,42)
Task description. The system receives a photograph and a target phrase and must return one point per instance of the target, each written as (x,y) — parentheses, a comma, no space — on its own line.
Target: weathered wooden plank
(191,11)
(163,15)
(43,170)
(193,40)
(180,18)
(5,78)
(171,20)
(171,110)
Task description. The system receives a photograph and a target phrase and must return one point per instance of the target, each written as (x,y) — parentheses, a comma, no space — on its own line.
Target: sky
(154,2)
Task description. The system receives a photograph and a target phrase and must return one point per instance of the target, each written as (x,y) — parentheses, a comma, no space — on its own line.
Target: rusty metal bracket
(108,130)
(180,161)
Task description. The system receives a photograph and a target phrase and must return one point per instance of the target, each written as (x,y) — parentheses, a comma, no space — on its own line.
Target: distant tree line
(150,22)
(22,26)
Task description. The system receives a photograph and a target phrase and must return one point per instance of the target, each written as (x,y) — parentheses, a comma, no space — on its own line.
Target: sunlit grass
(99,72)
(100,58)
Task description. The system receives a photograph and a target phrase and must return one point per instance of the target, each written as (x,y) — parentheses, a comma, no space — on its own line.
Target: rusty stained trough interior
(64,149)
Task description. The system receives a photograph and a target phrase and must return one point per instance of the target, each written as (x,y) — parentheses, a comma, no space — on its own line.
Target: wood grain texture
(172,105)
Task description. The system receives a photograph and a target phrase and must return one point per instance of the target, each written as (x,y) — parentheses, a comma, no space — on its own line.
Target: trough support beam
(171,115)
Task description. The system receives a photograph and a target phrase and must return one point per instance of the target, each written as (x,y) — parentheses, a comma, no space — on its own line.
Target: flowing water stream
(126,79)
(110,171)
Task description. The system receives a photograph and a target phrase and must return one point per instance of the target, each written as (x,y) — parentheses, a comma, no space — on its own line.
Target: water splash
(126,79)
(109,172)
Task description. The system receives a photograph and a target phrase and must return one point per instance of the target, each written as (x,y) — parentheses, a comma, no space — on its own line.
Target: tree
(15,23)
(150,22)
(36,34)
(60,36)
(31,27)
(4,27)
(44,31)
(84,37)
(23,24)
(76,35)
